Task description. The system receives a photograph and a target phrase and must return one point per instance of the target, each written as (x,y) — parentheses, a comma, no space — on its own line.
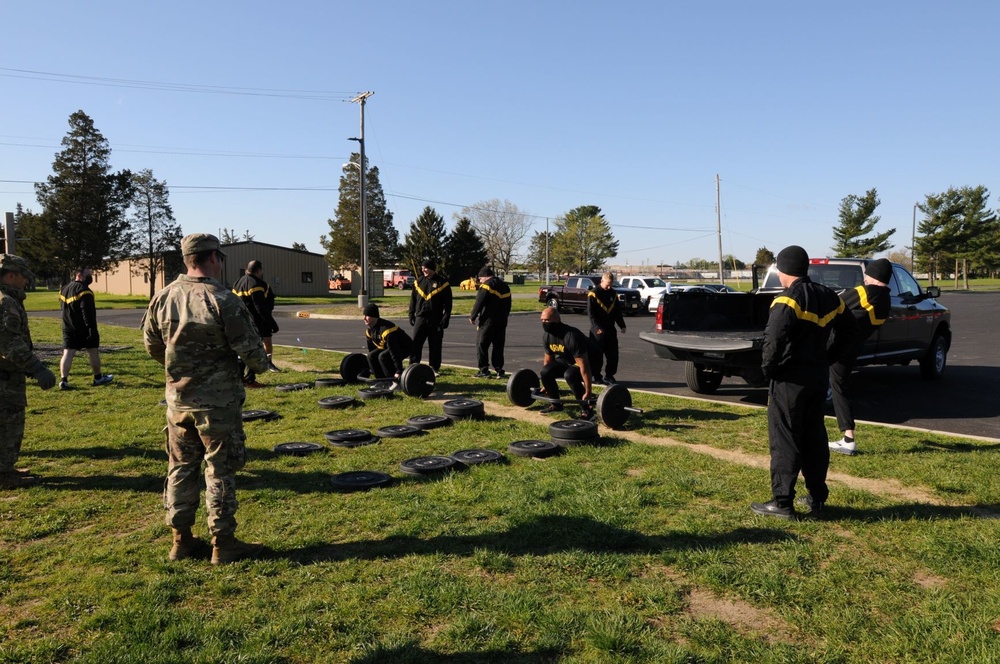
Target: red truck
(397,279)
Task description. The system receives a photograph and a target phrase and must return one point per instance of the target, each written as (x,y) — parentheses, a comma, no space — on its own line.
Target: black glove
(413,321)
(46,379)
(274,327)
(443,325)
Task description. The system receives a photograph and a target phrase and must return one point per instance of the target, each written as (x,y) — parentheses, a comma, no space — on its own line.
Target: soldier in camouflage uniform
(199,330)
(16,361)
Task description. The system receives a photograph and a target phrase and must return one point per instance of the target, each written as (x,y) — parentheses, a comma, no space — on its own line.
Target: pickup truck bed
(721,335)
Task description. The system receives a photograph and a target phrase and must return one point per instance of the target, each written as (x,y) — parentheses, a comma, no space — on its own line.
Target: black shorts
(81,341)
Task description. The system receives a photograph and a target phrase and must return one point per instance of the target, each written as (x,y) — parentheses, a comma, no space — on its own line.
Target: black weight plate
(473,457)
(520,386)
(329,382)
(429,421)
(573,430)
(251,415)
(335,402)
(353,365)
(611,406)
(360,480)
(347,434)
(463,407)
(297,449)
(293,387)
(427,465)
(374,393)
(397,431)
(371,440)
(417,380)
(533,448)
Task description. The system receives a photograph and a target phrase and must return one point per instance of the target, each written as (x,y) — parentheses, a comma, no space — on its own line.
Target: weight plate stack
(464,409)
(427,465)
(297,449)
(476,457)
(538,449)
(360,480)
(329,382)
(429,421)
(566,433)
(330,403)
(398,431)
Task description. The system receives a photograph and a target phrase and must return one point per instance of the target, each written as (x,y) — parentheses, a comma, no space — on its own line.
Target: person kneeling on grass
(567,355)
(388,345)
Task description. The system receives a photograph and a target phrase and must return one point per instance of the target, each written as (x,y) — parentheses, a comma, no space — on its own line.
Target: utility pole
(718,229)
(363,296)
(913,240)
(546,251)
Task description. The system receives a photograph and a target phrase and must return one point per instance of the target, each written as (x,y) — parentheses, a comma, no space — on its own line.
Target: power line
(54,77)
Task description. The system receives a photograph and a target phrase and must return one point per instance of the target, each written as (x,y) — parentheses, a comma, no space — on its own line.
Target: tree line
(490,232)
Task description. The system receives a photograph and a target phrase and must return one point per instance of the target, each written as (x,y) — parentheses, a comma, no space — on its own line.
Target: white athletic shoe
(843,447)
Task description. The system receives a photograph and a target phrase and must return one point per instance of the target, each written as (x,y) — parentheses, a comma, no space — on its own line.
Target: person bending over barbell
(567,355)
(388,345)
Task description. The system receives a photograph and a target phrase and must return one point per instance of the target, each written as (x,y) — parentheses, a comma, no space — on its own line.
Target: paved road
(966,401)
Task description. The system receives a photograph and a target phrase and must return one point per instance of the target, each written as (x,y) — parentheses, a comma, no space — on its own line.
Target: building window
(307,277)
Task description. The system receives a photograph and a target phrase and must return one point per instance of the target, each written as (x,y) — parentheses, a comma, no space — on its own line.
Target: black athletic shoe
(501,374)
(771,508)
(816,508)
(552,408)
(483,373)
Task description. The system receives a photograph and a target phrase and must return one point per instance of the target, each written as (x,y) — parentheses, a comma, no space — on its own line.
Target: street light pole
(913,240)
(363,296)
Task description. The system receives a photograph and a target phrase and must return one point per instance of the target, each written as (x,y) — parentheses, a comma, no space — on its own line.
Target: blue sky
(630,106)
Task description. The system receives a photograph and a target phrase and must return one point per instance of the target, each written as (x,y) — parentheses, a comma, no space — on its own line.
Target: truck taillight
(659,314)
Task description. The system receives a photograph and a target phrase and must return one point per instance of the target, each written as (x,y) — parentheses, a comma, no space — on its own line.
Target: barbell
(417,380)
(613,405)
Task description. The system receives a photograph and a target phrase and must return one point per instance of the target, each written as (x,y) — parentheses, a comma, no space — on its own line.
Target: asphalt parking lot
(966,401)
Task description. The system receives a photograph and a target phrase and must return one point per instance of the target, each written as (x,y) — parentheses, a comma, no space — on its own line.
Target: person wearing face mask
(568,354)
(388,345)
(80,332)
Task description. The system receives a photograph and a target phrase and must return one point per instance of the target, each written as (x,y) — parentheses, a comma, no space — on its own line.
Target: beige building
(289,272)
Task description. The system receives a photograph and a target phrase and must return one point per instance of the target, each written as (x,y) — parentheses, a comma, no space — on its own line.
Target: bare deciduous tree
(502,227)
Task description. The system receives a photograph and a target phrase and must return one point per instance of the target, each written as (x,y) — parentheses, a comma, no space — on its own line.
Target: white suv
(651,289)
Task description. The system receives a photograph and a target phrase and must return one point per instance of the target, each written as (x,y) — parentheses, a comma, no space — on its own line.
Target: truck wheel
(552,302)
(700,380)
(932,364)
(401,285)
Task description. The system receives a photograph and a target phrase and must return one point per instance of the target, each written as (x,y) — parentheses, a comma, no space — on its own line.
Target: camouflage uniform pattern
(199,331)
(17,359)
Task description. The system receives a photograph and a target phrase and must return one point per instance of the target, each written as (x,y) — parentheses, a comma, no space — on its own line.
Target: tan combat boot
(227,549)
(185,545)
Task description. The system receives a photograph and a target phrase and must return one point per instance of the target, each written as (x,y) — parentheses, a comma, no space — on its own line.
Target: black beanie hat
(371,309)
(793,261)
(429,264)
(486,272)
(880,269)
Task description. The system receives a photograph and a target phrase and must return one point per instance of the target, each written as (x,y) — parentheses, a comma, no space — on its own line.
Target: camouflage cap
(199,242)
(14,263)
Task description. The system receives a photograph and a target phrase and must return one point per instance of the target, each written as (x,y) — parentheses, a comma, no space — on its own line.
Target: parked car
(339,282)
(650,288)
(719,288)
(573,294)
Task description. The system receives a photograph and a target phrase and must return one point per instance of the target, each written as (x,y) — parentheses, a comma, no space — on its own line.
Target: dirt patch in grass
(925,579)
(739,615)
(881,487)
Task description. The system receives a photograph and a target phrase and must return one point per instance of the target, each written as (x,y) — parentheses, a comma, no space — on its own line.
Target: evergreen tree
(857,220)
(764,258)
(981,228)
(84,203)
(343,245)
(464,251)
(426,239)
(37,243)
(540,243)
(941,229)
(583,240)
(157,232)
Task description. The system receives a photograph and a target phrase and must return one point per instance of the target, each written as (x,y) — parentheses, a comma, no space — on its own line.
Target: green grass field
(640,549)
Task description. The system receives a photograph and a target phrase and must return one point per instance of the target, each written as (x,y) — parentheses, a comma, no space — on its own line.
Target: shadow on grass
(140,450)
(911,512)
(412,653)
(538,537)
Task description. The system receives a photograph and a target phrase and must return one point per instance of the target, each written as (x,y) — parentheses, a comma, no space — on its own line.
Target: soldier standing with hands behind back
(199,331)
(258,298)
(17,360)
(492,307)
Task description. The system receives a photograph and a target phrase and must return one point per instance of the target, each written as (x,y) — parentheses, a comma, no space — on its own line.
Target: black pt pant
(840,381)
(604,351)
(429,330)
(490,334)
(797,438)
(559,369)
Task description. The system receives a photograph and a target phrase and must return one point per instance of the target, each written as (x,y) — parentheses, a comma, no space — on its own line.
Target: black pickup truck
(719,335)
(572,295)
